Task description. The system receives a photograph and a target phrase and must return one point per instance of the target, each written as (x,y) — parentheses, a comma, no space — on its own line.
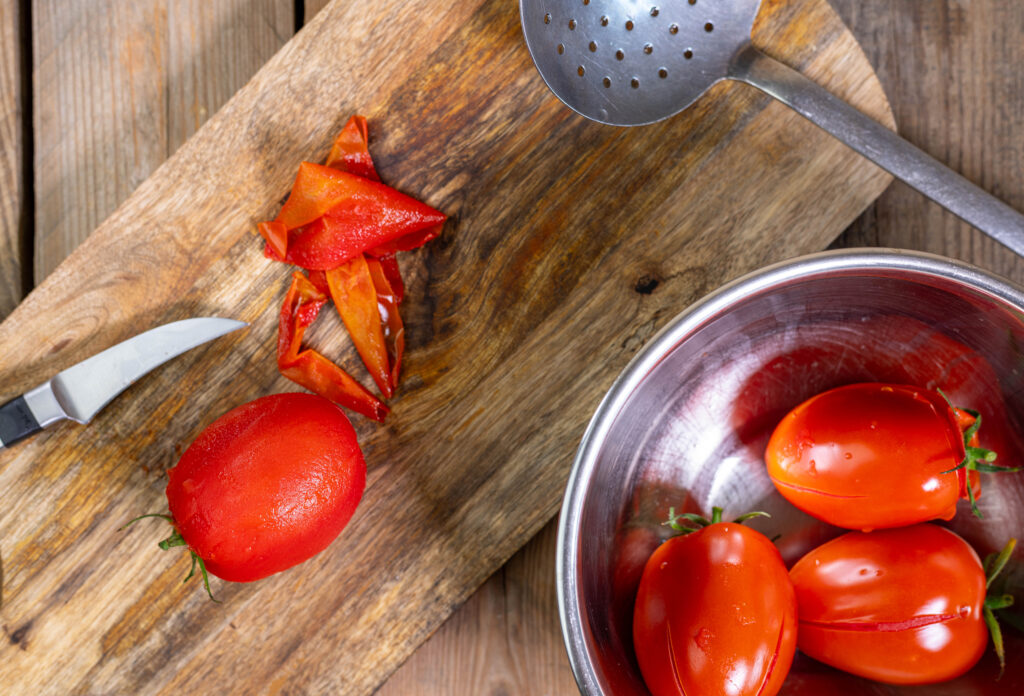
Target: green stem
(975,458)
(993,565)
(689,522)
(175,539)
(995,562)
(142,517)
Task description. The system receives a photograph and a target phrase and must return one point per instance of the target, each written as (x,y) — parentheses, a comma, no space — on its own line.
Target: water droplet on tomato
(863,571)
(703,638)
(878,573)
(848,455)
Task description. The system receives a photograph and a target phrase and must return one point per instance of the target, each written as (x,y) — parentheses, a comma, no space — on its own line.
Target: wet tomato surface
(715,615)
(873,455)
(267,485)
(902,606)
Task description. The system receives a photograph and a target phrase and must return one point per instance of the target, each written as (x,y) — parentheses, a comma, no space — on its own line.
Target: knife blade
(82,390)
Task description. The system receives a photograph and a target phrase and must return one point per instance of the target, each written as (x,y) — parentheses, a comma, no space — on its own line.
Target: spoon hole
(629,25)
(547,18)
(619,54)
(709,27)
(561,49)
(673,29)
(687,54)
(648,49)
(663,73)
(604,21)
(634,83)
(592,46)
(607,82)
(580,71)
(572,25)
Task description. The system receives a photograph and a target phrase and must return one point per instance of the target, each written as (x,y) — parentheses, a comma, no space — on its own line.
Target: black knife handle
(16,422)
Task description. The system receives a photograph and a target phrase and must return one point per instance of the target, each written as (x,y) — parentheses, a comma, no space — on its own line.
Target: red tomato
(902,606)
(870,455)
(267,485)
(715,615)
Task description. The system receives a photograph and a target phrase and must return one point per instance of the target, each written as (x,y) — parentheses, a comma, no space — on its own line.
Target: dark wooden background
(95,94)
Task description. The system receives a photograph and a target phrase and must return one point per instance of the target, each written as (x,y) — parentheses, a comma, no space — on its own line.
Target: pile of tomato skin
(344,228)
(716,610)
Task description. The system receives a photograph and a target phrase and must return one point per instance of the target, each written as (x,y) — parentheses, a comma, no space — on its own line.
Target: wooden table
(95,94)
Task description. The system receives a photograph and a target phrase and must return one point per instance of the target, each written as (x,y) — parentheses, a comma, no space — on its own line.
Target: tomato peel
(344,227)
(333,215)
(390,319)
(276,236)
(350,151)
(355,297)
(309,368)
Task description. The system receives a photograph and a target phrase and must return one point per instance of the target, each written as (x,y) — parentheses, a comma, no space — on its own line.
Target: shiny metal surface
(44,405)
(83,389)
(686,423)
(630,63)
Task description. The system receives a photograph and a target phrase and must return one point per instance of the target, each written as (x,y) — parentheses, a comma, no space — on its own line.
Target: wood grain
(119,86)
(953,73)
(519,318)
(11,193)
(504,640)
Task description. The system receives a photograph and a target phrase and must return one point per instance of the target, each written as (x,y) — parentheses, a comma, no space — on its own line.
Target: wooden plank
(953,73)
(119,86)
(504,640)
(11,193)
(518,318)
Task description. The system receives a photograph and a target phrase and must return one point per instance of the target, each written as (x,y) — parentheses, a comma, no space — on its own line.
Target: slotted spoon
(633,62)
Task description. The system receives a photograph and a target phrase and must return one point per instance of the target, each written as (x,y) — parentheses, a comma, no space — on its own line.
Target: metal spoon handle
(881,146)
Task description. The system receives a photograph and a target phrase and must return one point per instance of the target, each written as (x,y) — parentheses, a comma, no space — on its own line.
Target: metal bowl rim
(867,261)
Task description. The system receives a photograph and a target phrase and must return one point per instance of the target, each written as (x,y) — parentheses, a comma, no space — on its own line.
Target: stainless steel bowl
(686,423)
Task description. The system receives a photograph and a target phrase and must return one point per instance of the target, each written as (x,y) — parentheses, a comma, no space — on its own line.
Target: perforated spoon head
(629,63)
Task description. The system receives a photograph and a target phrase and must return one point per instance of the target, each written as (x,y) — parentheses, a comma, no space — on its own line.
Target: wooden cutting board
(570,244)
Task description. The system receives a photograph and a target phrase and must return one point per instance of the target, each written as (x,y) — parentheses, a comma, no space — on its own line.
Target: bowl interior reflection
(692,435)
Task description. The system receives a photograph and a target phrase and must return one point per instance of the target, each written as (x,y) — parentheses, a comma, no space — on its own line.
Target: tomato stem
(142,517)
(995,562)
(175,539)
(695,521)
(750,515)
(688,522)
(202,569)
(993,565)
(975,458)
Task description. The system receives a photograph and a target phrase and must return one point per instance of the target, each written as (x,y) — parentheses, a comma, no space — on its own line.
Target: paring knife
(79,392)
